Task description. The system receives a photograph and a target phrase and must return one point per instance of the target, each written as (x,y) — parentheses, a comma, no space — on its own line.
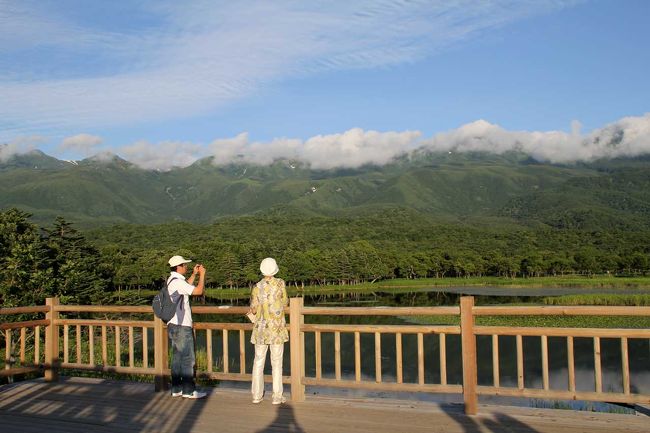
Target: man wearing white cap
(179,327)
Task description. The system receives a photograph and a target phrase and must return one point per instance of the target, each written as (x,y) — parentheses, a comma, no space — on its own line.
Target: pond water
(639,349)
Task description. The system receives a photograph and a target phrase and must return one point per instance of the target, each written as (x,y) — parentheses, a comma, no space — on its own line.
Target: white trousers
(257,387)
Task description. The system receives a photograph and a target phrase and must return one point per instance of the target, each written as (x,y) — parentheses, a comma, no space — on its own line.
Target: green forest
(90,266)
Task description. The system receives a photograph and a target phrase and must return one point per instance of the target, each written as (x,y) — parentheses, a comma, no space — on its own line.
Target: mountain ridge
(511,186)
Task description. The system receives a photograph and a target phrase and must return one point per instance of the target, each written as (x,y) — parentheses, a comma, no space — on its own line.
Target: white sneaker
(279,400)
(195,395)
(257,400)
(177,394)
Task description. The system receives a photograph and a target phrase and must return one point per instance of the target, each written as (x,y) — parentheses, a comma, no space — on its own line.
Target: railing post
(469,354)
(296,319)
(161,355)
(52,342)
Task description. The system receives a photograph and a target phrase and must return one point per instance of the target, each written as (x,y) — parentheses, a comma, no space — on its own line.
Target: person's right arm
(198,289)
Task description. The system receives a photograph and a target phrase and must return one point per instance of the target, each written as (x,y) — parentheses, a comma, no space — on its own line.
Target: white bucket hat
(177,260)
(269,267)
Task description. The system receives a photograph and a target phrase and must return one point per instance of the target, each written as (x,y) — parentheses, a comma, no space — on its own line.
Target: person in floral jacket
(268,300)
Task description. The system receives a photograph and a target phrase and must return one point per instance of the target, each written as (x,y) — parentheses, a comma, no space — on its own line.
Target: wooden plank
(377,357)
(317,354)
(208,349)
(598,372)
(421,359)
(25,324)
(561,311)
(24,310)
(65,343)
(104,346)
(496,377)
(51,341)
(23,340)
(381,311)
(226,366)
(398,357)
(37,344)
(468,342)
(8,349)
(554,394)
(118,348)
(102,309)
(442,341)
(337,355)
(297,344)
(571,364)
(145,348)
(625,366)
(384,386)
(520,362)
(563,332)
(131,348)
(97,322)
(78,343)
(91,345)
(384,329)
(544,344)
(242,352)
(357,356)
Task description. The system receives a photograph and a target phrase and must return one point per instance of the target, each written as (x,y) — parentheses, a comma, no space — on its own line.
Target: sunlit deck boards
(91,405)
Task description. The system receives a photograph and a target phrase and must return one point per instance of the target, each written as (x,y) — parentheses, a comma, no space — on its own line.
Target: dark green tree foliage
(80,274)
(59,262)
(25,278)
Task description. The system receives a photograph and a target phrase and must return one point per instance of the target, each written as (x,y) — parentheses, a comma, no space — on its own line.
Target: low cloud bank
(629,136)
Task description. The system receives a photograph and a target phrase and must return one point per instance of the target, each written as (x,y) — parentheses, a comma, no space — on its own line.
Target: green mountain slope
(479,186)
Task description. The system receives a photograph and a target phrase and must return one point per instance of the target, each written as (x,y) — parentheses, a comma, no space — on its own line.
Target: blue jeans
(181,339)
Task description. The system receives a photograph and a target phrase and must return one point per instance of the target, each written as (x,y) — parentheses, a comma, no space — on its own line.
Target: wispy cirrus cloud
(156,60)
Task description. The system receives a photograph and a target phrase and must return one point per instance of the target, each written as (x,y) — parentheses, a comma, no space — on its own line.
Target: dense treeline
(310,250)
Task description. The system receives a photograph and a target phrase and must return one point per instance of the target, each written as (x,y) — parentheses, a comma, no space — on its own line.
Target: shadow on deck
(76,405)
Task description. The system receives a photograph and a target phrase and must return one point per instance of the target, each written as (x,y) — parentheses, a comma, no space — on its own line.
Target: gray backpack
(163,306)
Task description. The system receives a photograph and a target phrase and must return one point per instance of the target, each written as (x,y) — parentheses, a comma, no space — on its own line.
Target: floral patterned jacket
(269,298)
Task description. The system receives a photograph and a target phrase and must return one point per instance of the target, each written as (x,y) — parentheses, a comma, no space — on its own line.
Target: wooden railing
(138,345)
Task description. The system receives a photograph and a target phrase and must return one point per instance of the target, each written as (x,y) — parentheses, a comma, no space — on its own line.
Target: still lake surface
(639,349)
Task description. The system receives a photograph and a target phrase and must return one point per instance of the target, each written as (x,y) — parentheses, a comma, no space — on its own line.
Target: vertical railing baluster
(337,355)
(226,366)
(208,349)
(297,346)
(625,365)
(496,377)
(469,354)
(317,354)
(442,342)
(571,364)
(545,381)
(520,362)
(598,372)
(242,352)
(398,356)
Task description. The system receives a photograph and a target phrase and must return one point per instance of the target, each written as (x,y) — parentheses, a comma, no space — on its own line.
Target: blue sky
(163,83)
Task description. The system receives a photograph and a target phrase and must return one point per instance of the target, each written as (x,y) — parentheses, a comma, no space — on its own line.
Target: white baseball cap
(269,267)
(178,260)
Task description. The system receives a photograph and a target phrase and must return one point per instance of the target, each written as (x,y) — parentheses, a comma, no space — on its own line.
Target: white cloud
(19,146)
(161,156)
(191,57)
(84,143)
(629,136)
(356,147)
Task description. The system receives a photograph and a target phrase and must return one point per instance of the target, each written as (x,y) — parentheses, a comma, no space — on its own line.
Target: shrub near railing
(140,345)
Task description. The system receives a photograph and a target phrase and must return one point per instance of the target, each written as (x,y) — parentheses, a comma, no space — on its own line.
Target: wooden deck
(94,405)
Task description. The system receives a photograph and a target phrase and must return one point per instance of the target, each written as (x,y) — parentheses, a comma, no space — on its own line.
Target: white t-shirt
(176,288)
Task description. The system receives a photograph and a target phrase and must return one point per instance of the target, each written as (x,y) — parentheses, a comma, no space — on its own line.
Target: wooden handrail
(561,311)
(128,336)
(24,310)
